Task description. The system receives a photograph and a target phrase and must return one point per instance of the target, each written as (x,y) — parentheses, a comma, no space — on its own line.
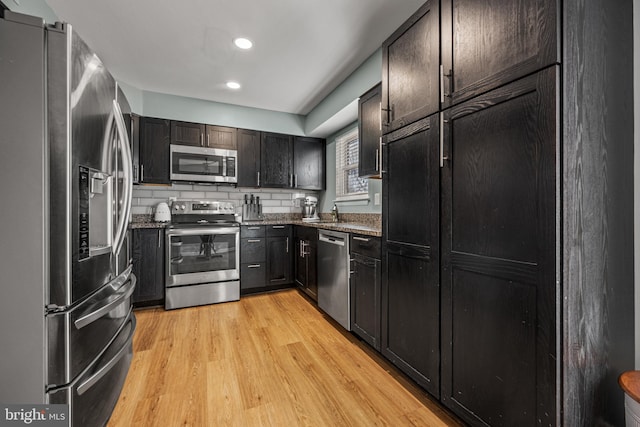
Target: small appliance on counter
(310,209)
(162,214)
(252,208)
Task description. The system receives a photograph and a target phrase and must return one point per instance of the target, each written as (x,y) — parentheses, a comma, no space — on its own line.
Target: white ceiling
(302,48)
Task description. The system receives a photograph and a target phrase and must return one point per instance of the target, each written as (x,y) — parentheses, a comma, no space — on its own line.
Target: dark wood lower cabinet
(148,266)
(305,265)
(365,288)
(279,255)
(265,257)
(499,249)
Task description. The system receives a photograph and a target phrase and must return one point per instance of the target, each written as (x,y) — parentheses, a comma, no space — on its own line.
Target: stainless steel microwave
(200,164)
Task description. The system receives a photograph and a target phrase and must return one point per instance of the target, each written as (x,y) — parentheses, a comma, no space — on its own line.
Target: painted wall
(327,198)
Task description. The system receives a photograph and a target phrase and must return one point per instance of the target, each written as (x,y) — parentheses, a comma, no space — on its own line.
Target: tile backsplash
(274,201)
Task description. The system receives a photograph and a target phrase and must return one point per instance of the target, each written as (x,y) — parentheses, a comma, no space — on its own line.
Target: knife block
(252,212)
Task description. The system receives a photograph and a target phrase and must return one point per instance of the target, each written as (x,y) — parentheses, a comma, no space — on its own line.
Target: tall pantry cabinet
(507,208)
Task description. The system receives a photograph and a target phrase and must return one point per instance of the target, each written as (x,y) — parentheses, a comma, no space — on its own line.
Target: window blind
(348,183)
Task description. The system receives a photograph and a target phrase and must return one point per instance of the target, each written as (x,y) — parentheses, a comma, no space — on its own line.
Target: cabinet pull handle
(442,156)
(141,173)
(377,159)
(287,245)
(253,228)
(253,241)
(258,178)
(253,266)
(362,239)
(208,143)
(159,236)
(380,116)
(295,180)
(277,227)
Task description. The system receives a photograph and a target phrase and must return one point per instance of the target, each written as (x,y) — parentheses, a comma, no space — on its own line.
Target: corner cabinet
(308,163)
(370,133)
(148,266)
(155,136)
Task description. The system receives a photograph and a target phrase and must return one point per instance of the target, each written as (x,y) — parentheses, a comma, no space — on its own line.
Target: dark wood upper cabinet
(155,135)
(185,133)
(221,137)
(411,69)
(248,158)
(308,163)
(490,43)
(276,155)
(369,133)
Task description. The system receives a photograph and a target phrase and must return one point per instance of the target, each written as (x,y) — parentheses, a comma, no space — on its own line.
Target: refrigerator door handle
(127,164)
(99,309)
(86,385)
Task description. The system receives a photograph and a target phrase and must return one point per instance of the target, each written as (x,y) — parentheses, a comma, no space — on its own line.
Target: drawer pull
(253,266)
(254,241)
(253,228)
(362,239)
(277,226)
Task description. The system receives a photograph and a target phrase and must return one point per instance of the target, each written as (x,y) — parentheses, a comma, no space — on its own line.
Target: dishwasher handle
(331,239)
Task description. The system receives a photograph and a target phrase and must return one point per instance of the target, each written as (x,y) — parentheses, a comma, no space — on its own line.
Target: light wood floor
(267,360)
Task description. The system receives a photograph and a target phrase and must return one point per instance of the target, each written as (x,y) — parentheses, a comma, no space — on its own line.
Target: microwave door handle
(224,166)
(127,165)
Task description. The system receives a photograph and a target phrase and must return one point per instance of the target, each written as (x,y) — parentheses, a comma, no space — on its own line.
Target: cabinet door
(154,150)
(499,252)
(184,133)
(248,158)
(365,299)
(411,68)
(252,276)
(148,266)
(279,260)
(411,293)
(252,250)
(369,133)
(308,163)
(300,265)
(490,43)
(221,137)
(276,160)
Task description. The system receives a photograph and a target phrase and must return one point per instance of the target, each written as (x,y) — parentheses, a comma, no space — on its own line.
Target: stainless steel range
(203,253)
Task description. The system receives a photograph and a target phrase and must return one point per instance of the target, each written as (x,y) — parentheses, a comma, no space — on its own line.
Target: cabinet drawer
(365,245)
(247,231)
(252,275)
(278,230)
(253,250)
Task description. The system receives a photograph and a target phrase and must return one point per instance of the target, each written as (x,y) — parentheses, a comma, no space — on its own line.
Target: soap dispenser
(334,213)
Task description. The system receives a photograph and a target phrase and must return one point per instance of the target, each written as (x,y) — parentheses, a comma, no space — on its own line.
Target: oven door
(203,164)
(202,255)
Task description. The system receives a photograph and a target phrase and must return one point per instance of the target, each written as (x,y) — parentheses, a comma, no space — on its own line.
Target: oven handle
(203,230)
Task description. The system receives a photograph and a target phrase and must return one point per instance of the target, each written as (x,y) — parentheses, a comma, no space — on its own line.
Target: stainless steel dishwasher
(333,276)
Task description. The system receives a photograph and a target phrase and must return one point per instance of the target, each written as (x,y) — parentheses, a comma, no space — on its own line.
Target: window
(349,186)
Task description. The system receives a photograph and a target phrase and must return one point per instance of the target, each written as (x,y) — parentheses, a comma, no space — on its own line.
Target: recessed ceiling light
(243,43)
(233,85)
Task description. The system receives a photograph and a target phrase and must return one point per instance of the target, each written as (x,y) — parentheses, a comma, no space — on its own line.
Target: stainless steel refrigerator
(66,323)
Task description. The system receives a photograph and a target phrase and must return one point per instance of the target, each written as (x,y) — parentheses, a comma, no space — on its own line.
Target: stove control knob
(183,207)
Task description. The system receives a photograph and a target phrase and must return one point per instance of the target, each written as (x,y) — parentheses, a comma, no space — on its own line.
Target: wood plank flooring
(267,360)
